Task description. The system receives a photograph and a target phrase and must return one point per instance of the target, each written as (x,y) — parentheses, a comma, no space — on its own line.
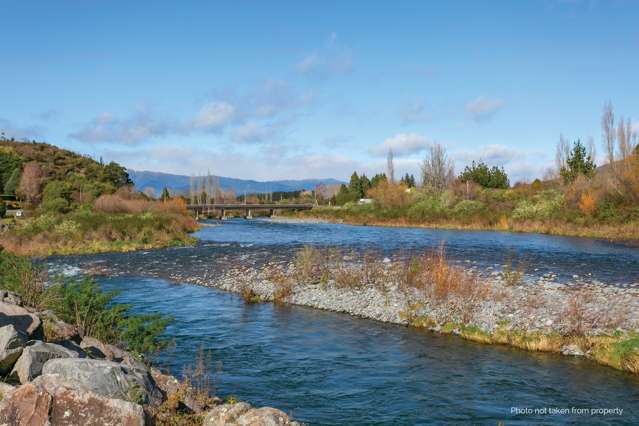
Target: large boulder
(46,401)
(56,330)
(242,414)
(11,343)
(33,358)
(21,319)
(188,397)
(10,297)
(98,349)
(106,378)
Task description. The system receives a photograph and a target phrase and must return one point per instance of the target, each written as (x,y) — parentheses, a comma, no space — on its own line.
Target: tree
(481,174)
(377,179)
(625,138)
(608,132)
(437,169)
(11,185)
(408,180)
(30,182)
(578,163)
(3,209)
(116,174)
(390,166)
(165,194)
(561,154)
(355,186)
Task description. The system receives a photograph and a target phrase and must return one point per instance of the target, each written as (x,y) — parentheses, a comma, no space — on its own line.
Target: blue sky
(274,90)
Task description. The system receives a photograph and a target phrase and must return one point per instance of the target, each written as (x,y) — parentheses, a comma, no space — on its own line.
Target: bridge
(220,209)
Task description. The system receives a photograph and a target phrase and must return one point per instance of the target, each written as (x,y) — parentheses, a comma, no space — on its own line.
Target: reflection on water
(328,368)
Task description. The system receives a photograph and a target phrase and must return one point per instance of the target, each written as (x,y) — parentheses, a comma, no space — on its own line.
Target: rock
(169,385)
(56,330)
(572,350)
(73,346)
(45,401)
(21,319)
(243,414)
(98,349)
(10,297)
(11,343)
(105,378)
(33,358)
(5,389)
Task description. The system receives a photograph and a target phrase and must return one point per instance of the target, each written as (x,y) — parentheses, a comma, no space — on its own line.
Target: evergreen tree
(578,163)
(485,176)
(165,194)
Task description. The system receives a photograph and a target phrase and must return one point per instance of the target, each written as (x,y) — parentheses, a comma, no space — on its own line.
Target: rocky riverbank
(578,318)
(51,375)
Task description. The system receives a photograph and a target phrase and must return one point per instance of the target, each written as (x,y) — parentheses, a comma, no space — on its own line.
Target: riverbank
(626,233)
(580,318)
(54,375)
(87,231)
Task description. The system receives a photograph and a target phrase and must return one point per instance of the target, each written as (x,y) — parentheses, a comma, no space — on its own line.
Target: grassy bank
(88,231)
(625,232)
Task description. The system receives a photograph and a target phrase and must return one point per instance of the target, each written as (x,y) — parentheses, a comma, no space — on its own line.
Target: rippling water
(328,368)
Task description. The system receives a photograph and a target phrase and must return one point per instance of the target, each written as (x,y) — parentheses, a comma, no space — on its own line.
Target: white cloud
(107,127)
(519,164)
(483,108)
(253,132)
(414,112)
(332,59)
(635,127)
(10,130)
(491,154)
(402,144)
(213,116)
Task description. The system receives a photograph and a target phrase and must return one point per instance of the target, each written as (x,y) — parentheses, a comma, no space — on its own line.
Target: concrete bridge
(220,209)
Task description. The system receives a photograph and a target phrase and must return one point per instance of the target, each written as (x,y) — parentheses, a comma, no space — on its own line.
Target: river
(329,368)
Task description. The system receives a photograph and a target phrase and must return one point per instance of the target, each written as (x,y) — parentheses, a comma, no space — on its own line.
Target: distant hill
(180,183)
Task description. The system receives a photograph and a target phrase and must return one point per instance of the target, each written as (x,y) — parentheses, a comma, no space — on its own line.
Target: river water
(329,368)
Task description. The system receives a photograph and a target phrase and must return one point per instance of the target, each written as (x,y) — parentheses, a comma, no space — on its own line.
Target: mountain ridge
(180,183)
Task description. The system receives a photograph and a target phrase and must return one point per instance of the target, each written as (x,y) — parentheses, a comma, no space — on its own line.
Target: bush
(428,209)
(390,195)
(17,274)
(3,209)
(83,304)
(543,206)
(467,209)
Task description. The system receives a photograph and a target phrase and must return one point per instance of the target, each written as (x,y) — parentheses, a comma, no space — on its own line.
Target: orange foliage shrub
(390,195)
(587,203)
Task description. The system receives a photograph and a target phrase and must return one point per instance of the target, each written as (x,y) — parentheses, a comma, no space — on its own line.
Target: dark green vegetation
(75,204)
(486,177)
(82,304)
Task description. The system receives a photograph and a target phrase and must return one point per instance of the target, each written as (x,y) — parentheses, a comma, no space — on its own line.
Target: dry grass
(125,201)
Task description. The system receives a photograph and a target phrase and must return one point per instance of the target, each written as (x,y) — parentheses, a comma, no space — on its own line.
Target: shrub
(389,195)
(18,274)
(83,304)
(587,203)
(430,208)
(542,206)
(466,209)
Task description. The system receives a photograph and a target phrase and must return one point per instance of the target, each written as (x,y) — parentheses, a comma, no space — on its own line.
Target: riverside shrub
(542,206)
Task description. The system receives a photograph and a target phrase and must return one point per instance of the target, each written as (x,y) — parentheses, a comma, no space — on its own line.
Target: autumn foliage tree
(31,183)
